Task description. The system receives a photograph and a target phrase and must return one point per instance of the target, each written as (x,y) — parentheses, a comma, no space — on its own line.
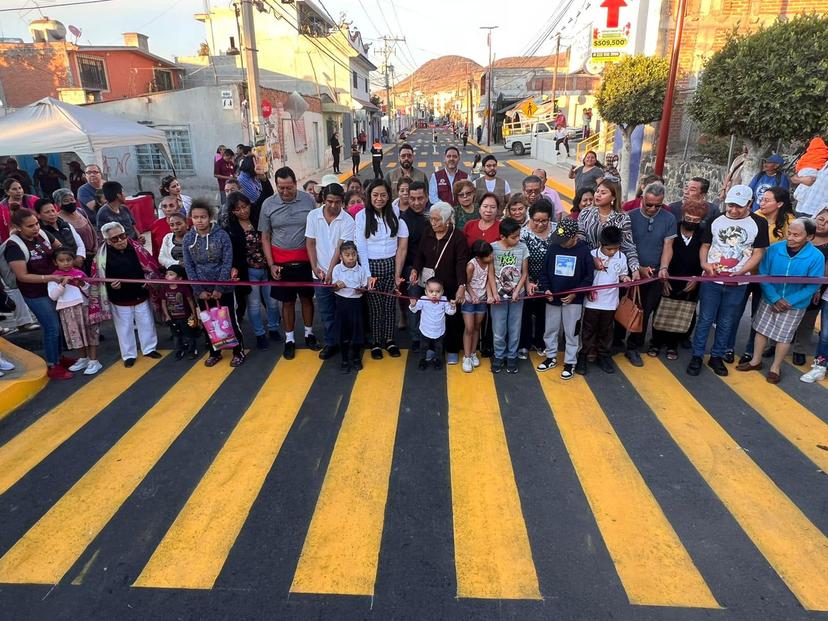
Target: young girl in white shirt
(348,278)
(70,295)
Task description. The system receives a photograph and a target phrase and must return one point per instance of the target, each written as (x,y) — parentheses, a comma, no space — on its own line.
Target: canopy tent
(52,126)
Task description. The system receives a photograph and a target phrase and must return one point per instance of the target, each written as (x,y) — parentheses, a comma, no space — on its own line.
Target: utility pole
(667,110)
(250,53)
(555,75)
(489,85)
(387,50)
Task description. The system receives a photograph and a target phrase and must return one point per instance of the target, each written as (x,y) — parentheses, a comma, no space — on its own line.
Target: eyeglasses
(92,172)
(541,222)
(465,194)
(656,206)
(118,238)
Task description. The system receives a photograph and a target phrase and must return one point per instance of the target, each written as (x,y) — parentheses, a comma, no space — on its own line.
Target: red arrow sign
(613,8)
(267,109)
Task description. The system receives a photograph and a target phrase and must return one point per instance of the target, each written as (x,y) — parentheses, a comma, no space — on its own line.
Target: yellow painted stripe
(27,381)
(565,191)
(49,549)
(793,546)
(797,424)
(341,550)
(38,440)
(421,164)
(491,546)
(468,164)
(391,165)
(196,546)
(651,561)
(437,166)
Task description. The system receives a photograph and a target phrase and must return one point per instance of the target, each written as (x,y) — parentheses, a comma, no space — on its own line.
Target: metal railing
(602,142)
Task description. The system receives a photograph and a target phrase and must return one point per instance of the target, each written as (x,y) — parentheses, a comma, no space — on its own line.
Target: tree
(767,86)
(632,94)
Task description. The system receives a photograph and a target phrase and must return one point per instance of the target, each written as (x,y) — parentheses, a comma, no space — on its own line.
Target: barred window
(151,158)
(92,73)
(163,80)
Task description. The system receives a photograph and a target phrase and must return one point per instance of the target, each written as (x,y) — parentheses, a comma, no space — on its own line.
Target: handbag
(674,315)
(428,272)
(629,312)
(216,321)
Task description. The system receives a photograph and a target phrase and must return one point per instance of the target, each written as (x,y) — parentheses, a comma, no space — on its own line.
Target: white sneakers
(5,365)
(475,360)
(816,374)
(470,363)
(89,367)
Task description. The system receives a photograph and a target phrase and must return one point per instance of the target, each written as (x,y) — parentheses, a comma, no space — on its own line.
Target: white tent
(52,126)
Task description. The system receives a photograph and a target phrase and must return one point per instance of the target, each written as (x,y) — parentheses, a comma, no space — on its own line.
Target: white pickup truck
(522,143)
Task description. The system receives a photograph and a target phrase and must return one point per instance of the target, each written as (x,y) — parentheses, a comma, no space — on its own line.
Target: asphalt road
(286,490)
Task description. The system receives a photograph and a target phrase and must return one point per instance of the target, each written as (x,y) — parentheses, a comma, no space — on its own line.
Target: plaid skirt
(779,327)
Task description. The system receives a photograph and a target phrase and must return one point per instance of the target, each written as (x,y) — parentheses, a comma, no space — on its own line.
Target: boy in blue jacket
(569,265)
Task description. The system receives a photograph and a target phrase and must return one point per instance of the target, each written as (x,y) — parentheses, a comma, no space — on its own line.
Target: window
(163,80)
(151,158)
(92,73)
(366,85)
(356,80)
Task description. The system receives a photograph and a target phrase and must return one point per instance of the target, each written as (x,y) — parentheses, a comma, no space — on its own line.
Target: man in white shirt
(327,227)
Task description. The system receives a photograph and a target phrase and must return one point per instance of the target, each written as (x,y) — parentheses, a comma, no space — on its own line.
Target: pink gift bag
(216,321)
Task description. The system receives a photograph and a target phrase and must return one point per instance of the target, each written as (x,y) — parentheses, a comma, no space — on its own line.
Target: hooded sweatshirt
(808,262)
(208,257)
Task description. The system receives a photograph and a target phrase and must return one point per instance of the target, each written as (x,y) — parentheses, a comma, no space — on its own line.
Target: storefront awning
(335,108)
(361,104)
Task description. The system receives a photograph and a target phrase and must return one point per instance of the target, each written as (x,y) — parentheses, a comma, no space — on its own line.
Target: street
(287,490)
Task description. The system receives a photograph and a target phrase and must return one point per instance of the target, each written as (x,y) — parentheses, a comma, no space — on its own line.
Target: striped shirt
(590,227)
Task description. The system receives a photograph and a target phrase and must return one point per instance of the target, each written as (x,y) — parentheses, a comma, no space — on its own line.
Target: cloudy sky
(432,28)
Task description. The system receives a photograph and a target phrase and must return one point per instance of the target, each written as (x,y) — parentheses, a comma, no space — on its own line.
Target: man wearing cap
(46,178)
(282,224)
(325,230)
(732,245)
(771,176)
(441,184)
(405,168)
(490,182)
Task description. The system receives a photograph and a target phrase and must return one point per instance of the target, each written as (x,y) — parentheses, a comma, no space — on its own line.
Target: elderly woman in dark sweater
(443,249)
(208,255)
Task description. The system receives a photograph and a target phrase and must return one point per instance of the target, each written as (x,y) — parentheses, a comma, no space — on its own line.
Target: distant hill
(441,74)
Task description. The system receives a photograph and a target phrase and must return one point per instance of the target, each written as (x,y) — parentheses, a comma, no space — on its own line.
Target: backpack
(6,273)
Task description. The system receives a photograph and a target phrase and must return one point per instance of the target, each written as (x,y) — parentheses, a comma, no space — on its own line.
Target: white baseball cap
(329,179)
(741,195)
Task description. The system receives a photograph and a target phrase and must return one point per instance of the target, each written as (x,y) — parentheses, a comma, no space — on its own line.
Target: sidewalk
(24,382)
(557,175)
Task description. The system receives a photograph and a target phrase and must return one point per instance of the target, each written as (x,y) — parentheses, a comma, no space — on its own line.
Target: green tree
(767,86)
(632,94)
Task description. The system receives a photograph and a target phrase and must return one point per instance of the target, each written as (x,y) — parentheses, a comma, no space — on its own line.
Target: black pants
(596,331)
(184,335)
(650,297)
(350,325)
(228,300)
(336,159)
(533,324)
(565,142)
(453,337)
(377,169)
(355,162)
(435,345)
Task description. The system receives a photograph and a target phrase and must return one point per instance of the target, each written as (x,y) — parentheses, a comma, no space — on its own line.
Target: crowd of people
(465,265)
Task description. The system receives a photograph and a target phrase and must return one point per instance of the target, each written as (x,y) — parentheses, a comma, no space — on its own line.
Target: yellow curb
(561,189)
(15,391)
(482,147)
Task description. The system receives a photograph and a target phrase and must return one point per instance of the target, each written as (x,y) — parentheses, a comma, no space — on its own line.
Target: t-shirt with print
(176,299)
(538,248)
(40,262)
(762,182)
(508,266)
(732,241)
(613,269)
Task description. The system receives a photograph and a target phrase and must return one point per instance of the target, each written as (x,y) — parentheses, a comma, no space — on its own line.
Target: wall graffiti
(116,166)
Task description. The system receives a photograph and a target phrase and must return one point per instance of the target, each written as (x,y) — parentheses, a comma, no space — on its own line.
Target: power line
(35,8)
(402,31)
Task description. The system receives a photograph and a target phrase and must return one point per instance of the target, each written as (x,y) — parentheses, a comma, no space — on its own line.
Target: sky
(432,28)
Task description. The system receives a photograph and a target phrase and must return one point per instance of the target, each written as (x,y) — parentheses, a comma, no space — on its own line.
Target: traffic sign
(267,109)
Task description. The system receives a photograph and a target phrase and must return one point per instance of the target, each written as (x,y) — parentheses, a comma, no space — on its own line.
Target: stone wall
(677,172)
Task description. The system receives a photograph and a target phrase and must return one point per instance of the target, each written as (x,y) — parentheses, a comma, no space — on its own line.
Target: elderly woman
(72,213)
(536,237)
(29,255)
(783,304)
(62,231)
(129,303)
(518,208)
(686,261)
(15,199)
(465,209)
(444,252)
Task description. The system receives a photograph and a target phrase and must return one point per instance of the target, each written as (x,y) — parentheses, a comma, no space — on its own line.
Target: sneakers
(468,367)
(511,365)
(475,360)
(57,372)
(289,352)
(567,372)
(548,363)
(718,366)
(498,364)
(634,357)
(6,365)
(694,368)
(523,353)
(729,356)
(311,342)
(816,374)
(93,367)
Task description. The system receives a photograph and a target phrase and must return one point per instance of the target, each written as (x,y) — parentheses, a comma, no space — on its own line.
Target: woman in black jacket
(335,149)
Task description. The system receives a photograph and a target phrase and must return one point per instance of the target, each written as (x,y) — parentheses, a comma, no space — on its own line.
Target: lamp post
(667,110)
(489,87)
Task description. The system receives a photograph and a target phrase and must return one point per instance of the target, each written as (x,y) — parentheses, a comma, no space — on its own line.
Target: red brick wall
(128,73)
(30,72)
(274,97)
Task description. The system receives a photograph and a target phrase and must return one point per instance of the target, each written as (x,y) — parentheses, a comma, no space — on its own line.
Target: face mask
(690,226)
(69,208)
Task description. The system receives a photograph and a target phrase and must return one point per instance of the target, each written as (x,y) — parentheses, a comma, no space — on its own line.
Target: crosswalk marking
(28,448)
(341,550)
(793,546)
(651,561)
(391,165)
(493,557)
(421,164)
(798,425)
(50,548)
(195,548)
(468,164)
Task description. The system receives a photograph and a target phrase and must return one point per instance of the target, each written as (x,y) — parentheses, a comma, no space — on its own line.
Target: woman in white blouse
(382,241)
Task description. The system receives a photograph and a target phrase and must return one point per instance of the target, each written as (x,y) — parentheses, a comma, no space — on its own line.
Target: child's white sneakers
(93,367)
(80,365)
(468,365)
(5,365)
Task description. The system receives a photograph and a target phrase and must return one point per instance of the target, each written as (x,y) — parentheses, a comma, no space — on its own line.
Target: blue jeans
(326,304)
(506,318)
(721,305)
(822,346)
(47,316)
(254,303)
(754,291)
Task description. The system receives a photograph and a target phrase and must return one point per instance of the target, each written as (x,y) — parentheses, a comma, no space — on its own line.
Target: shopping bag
(674,315)
(216,321)
(629,312)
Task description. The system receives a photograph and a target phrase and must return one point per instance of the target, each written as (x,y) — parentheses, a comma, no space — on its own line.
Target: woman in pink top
(15,199)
